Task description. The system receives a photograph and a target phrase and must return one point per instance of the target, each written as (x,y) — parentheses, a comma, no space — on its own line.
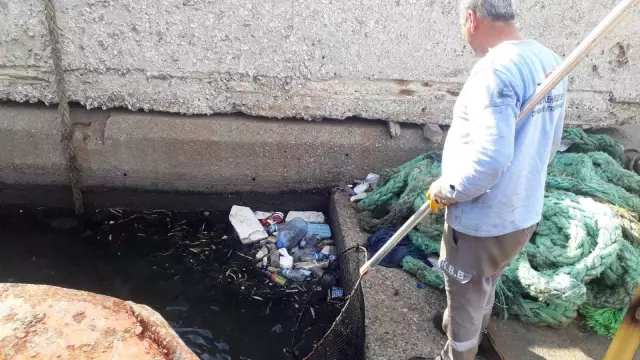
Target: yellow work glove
(437,200)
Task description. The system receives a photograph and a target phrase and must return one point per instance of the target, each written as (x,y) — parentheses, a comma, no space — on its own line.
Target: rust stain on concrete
(47,322)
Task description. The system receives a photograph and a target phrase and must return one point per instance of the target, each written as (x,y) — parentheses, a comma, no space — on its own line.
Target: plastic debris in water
(310,255)
(275,277)
(274,256)
(329,250)
(273,219)
(262,253)
(290,234)
(277,329)
(310,265)
(322,231)
(294,274)
(309,240)
(286,261)
(336,292)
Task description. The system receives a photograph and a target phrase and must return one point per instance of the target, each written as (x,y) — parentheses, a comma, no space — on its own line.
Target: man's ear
(472,19)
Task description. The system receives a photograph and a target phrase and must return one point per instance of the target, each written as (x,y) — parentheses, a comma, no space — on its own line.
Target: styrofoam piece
(262,214)
(308,216)
(246,224)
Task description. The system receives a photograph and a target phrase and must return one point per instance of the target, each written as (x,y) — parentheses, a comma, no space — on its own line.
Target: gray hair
(494,10)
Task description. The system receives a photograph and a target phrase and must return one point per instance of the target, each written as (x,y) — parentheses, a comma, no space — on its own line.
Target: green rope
(584,256)
(604,321)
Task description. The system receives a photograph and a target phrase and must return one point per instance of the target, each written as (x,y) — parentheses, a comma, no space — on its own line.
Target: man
(493,171)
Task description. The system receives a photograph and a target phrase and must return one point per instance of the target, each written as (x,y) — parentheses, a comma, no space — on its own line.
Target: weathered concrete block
(30,151)
(394,129)
(213,154)
(433,133)
(401,61)
(236,153)
(26,71)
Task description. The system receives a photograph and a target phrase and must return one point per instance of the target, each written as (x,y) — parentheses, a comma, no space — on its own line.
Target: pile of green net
(584,257)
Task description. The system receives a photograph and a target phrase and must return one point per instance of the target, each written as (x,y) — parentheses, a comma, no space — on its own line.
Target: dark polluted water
(186,265)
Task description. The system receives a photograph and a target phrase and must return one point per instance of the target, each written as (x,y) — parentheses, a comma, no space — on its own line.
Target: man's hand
(436,194)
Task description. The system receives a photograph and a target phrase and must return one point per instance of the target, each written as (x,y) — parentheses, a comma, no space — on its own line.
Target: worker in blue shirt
(493,171)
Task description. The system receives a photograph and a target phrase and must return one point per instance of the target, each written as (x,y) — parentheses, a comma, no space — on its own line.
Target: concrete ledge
(397,314)
(121,149)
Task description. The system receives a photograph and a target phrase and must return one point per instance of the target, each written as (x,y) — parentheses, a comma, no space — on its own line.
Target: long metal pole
(605,26)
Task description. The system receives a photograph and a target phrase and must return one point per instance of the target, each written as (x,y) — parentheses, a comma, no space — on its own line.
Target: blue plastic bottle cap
(420,286)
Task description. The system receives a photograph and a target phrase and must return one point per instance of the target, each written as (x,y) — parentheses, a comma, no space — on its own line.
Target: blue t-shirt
(495,170)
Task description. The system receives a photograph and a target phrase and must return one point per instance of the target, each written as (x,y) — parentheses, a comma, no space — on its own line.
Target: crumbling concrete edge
(395,100)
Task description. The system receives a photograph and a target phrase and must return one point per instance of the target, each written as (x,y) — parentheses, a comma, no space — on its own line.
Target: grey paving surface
(398,315)
(518,340)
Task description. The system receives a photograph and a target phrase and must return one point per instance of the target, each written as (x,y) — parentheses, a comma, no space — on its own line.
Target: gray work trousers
(472,267)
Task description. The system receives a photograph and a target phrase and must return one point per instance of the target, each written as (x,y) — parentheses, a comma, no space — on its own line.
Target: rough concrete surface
(47,322)
(26,71)
(398,315)
(627,135)
(30,150)
(401,60)
(121,149)
(521,341)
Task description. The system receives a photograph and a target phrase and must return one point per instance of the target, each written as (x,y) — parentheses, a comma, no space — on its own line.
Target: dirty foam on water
(187,266)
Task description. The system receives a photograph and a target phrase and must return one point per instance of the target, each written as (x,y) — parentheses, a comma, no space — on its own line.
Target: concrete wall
(120,149)
(217,154)
(400,60)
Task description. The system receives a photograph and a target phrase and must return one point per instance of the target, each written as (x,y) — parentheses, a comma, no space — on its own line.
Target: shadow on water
(184,265)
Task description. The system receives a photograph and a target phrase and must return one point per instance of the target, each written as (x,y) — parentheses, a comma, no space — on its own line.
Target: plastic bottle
(275,277)
(311,255)
(290,234)
(309,241)
(295,274)
(262,253)
(310,265)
